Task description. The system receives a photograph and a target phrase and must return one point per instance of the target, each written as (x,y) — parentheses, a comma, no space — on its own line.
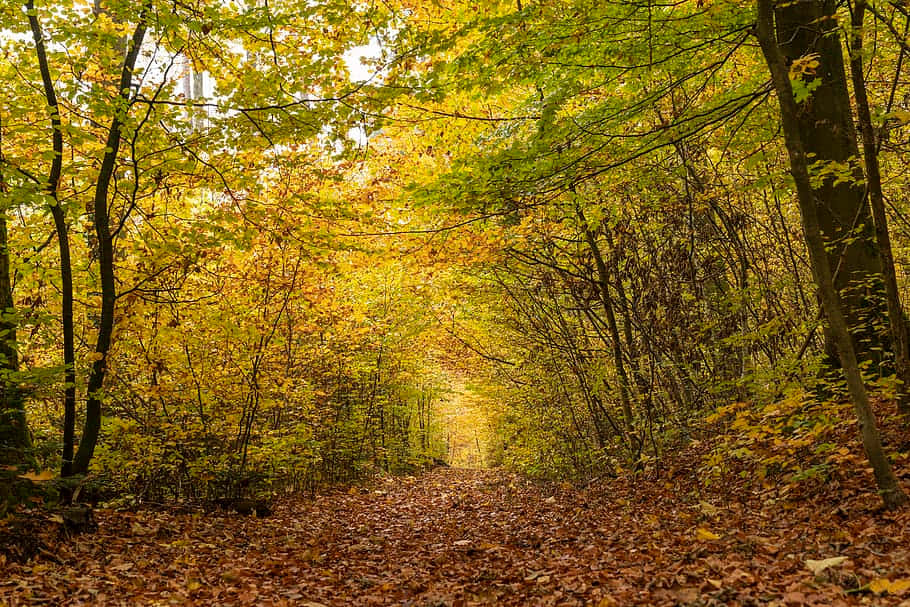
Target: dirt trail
(456,538)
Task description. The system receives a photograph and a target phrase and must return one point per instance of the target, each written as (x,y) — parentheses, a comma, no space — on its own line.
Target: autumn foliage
(645,261)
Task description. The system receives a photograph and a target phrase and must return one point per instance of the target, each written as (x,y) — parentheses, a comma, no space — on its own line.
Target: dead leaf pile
(457,538)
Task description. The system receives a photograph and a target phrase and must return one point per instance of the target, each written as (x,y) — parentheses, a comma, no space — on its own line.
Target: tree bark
(898,329)
(60,227)
(807,29)
(607,301)
(810,202)
(94,397)
(14,436)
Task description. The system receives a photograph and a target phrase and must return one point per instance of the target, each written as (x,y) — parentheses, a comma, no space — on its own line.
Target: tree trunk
(14,437)
(607,301)
(94,398)
(810,203)
(60,227)
(807,30)
(898,329)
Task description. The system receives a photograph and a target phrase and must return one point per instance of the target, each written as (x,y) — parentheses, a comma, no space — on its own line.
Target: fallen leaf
(44,475)
(817,567)
(231,576)
(706,536)
(883,585)
(708,509)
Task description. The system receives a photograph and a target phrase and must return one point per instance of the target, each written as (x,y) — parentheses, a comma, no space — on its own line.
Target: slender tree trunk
(69,347)
(877,202)
(60,227)
(810,201)
(607,301)
(644,389)
(94,397)
(14,436)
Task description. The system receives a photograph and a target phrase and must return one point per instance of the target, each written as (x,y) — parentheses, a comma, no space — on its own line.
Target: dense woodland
(255,249)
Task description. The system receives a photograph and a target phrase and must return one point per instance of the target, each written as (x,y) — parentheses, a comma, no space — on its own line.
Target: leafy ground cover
(454,537)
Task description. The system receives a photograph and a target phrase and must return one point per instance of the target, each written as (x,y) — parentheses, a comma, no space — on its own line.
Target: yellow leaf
(885,586)
(715,155)
(45,475)
(704,535)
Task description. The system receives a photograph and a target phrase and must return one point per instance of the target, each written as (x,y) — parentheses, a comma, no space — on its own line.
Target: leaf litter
(457,538)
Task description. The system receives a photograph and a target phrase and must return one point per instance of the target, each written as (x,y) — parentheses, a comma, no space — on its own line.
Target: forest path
(456,538)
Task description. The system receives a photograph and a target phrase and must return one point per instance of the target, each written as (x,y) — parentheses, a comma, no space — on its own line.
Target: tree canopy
(250,247)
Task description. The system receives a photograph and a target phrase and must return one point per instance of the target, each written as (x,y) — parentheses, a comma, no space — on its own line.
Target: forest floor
(456,538)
